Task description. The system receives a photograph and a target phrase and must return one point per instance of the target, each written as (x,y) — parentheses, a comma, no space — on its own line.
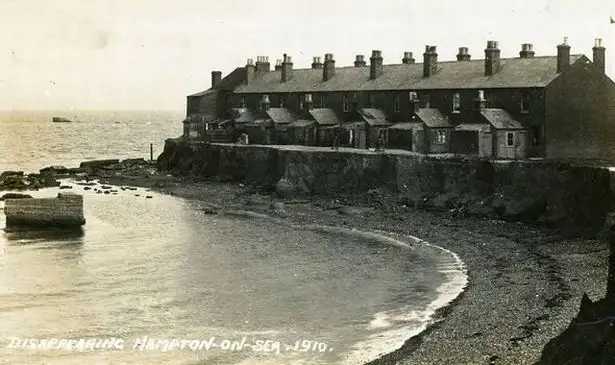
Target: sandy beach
(525,282)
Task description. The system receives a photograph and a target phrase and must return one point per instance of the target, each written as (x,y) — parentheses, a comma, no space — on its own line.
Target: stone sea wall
(547,192)
(64,210)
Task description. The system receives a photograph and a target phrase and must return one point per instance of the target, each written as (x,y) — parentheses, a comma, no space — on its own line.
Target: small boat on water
(61,120)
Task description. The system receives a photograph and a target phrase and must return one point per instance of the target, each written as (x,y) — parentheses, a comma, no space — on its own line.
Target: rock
(65,187)
(134,161)
(86,183)
(284,188)
(15,196)
(107,192)
(444,201)
(98,164)
(10,173)
(148,197)
(105,187)
(87,188)
(98,192)
(210,210)
(56,170)
(113,191)
(13,182)
(528,209)
(277,208)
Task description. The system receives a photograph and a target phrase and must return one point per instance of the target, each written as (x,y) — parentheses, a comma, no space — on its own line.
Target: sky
(150,54)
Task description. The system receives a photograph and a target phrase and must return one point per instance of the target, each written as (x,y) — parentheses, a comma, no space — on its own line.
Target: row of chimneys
(430,61)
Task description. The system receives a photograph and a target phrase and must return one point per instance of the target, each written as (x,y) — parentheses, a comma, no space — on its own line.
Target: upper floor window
(346,102)
(243,101)
(427,99)
(525,101)
(300,99)
(372,100)
(456,102)
(396,106)
(323,101)
(281,101)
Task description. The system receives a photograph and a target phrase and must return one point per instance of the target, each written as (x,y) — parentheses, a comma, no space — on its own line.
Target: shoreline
(525,283)
(524,287)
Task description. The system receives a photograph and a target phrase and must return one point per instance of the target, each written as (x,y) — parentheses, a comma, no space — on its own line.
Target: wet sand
(525,282)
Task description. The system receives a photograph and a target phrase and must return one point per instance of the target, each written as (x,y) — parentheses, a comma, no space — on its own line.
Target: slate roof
(472,127)
(405,126)
(514,73)
(301,123)
(280,115)
(500,119)
(433,118)
(325,116)
(229,82)
(374,117)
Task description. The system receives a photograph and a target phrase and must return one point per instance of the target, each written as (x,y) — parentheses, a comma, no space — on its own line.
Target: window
(427,98)
(396,104)
(300,101)
(323,101)
(536,136)
(525,101)
(346,103)
(441,137)
(456,102)
(243,101)
(510,139)
(281,101)
(372,100)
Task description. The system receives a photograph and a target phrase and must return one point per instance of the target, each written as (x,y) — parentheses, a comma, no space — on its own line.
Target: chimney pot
(463,54)
(527,50)
(262,64)
(308,98)
(408,59)
(480,103)
(359,60)
(250,62)
(287,68)
(316,63)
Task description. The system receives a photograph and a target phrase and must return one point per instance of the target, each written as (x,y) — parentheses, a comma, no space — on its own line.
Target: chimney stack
(316,64)
(287,68)
(262,64)
(463,55)
(599,55)
(527,50)
(307,102)
(376,67)
(360,61)
(408,59)
(265,104)
(480,103)
(216,76)
(430,61)
(250,70)
(563,56)
(329,67)
(492,58)
(414,102)
(278,65)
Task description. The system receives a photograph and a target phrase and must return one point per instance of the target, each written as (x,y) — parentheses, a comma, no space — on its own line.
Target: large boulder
(5,174)
(15,196)
(98,164)
(58,170)
(284,188)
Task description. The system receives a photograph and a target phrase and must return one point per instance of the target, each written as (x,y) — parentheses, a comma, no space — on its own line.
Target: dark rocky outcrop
(590,337)
(98,164)
(15,196)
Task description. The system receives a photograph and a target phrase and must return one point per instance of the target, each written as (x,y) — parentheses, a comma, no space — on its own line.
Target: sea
(157,281)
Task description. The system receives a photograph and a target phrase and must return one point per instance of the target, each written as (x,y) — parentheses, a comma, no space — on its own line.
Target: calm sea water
(160,268)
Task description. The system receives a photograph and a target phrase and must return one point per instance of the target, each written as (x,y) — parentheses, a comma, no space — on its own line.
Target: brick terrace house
(554,106)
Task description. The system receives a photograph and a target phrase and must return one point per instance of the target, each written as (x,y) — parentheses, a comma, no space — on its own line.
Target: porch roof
(433,118)
(472,127)
(406,126)
(500,119)
(301,123)
(374,117)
